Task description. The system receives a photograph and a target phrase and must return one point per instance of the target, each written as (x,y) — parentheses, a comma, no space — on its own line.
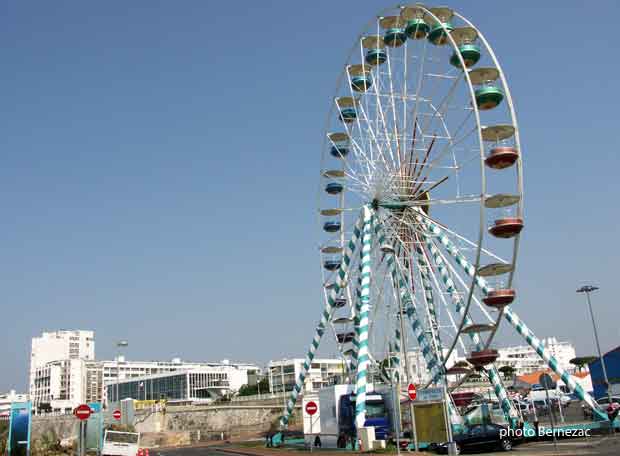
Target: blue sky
(160,162)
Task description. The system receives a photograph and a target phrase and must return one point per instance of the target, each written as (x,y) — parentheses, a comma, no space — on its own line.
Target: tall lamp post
(587,289)
(119,345)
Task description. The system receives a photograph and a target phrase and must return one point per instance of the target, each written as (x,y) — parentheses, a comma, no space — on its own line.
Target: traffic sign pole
(547,382)
(413,394)
(311,408)
(311,434)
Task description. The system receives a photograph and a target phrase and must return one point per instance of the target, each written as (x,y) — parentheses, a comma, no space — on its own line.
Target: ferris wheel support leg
(395,359)
(510,412)
(542,351)
(431,361)
(430,303)
(326,316)
(363,359)
(430,358)
(520,326)
(356,323)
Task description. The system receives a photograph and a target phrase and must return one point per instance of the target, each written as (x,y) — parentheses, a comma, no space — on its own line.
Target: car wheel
(506,445)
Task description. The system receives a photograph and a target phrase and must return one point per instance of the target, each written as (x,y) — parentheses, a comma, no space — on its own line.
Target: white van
(117,443)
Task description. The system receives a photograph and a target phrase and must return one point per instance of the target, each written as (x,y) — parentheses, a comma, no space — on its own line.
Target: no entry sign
(311,408)
(411,391)
(116,414)
(82,412)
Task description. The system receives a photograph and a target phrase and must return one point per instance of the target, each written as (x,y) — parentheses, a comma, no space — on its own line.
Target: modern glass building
(193,385)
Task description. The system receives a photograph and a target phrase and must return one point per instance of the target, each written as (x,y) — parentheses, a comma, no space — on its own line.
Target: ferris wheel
(421,205)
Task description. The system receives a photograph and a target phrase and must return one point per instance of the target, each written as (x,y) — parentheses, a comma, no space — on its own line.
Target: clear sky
(160,162)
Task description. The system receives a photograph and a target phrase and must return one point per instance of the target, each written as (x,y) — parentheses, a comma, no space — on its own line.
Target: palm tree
(508,371)
(581,361)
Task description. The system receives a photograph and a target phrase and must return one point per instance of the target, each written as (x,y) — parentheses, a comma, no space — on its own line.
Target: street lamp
(587,289)
(120,344)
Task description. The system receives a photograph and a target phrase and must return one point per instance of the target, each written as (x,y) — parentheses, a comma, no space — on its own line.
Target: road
(188,451)
(600,446)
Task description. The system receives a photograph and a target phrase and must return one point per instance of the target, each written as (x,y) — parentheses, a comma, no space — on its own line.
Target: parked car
(477,438)
(603,403)
(523,406)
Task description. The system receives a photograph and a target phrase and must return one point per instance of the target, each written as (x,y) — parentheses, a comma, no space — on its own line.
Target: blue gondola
(334,188)
(348,115)
(376,57)
(331,227)
(361,83)
(331,265)
(345,337)
(395,37)
(339,151)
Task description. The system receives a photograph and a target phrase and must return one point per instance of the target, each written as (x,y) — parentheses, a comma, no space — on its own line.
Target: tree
(508,371)
(251,390)
(581,361)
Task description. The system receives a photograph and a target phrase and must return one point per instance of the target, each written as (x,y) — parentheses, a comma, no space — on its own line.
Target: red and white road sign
(116,414)
(311,408)
(82,412)
(411,391)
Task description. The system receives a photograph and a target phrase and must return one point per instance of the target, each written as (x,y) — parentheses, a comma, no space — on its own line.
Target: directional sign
(116,414)
(311,408)
(82,412)
(411,391)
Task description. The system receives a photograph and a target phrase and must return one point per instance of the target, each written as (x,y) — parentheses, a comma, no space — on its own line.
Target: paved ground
(601,446)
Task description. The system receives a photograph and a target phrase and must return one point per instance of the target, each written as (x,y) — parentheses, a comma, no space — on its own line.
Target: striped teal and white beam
(433,364)
(516,322)
(424,268)
(363,357)
(498,387)
(341,281)
(395,355)
(356,321)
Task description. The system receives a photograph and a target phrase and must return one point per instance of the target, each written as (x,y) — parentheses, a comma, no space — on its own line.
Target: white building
(122,369)
(63,344)
(58,369)
(322,373)
(62,385)
(525,360)
(176,380)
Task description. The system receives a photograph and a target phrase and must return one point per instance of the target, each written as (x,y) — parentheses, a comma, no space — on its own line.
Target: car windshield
(375,409)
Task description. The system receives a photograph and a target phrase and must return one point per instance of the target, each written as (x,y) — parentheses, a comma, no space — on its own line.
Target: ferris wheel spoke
(453,325)
(435,227)
(372,137)
(464,285)
(428,299)
(451,147)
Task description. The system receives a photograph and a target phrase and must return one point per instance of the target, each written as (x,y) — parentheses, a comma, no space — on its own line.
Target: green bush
(4,435)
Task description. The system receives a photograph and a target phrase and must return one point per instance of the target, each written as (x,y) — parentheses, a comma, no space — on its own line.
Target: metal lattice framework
(421,204)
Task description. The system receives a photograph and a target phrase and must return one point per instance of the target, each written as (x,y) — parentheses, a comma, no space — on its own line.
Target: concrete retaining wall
(184,425)
(64,426)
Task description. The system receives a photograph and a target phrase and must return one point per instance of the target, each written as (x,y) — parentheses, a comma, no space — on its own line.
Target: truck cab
(337,415)
(376,415)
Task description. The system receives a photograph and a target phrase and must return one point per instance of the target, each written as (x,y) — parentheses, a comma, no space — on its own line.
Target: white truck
(117,443)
